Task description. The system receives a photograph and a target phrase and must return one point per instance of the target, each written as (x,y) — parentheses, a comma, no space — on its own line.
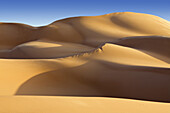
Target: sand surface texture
(113,63)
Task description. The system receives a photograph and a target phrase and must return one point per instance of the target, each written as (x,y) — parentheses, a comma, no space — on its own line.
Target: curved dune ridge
(93,64)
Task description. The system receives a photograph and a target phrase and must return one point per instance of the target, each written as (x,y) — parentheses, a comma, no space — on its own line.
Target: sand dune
(24,104)
(91,62)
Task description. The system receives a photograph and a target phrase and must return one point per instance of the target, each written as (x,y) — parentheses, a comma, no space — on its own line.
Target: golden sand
(118,62)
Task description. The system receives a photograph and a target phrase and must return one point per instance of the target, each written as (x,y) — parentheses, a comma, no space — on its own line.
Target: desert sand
(118,62)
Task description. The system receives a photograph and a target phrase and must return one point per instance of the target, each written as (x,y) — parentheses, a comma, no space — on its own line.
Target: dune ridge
(99,59)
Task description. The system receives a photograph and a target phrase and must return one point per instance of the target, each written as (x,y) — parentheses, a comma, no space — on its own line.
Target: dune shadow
(89,80)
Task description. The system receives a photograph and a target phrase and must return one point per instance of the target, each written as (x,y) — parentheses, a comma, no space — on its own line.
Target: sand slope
(24,104)
(96,58)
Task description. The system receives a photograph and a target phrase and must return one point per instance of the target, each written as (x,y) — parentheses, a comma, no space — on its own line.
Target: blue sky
(43,12)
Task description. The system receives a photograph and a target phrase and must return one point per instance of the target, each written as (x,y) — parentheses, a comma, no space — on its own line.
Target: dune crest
(96,58)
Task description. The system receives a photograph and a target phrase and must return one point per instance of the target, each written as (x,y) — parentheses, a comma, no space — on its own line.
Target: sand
(118,62)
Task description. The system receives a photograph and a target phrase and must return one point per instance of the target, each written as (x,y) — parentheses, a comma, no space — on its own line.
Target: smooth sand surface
(45,104)
(118,62)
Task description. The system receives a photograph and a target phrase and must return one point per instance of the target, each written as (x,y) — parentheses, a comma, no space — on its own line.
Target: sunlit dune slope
(99,29)
(87,30)
(24,104)
(91,59)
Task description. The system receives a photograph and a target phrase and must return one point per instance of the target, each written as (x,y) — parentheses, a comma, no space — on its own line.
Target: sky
(43,12)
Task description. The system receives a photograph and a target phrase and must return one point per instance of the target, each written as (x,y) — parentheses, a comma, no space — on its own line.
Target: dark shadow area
(117,80)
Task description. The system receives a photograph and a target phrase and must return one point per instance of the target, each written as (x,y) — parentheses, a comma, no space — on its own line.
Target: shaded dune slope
(123,55)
